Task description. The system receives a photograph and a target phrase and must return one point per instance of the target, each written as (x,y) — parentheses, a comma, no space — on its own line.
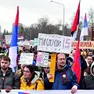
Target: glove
(8,89)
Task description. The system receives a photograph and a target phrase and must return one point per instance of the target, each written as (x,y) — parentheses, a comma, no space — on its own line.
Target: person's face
(61,61)
(90,53)
(23,66)
(73,53)
(71,63)
(27,73)
(4,64)
(89,60)
(46,69)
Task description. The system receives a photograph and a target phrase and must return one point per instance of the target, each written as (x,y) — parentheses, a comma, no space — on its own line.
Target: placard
(54,43)
(42,59)
(35,41)
(26,58)
(8,39)
(84,44)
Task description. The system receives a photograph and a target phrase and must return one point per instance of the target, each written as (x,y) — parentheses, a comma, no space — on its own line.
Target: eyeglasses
(61,59)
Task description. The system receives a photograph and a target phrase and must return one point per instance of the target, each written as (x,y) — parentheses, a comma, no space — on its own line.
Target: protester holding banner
(64,76)
(30,80)
(8,79)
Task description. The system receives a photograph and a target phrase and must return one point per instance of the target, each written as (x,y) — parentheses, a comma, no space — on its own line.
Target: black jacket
(88,82)
(10,79)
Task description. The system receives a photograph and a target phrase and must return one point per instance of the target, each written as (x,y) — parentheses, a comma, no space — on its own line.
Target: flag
(76,67)
(84,31)
(75,24)
(23,93)
(13,44)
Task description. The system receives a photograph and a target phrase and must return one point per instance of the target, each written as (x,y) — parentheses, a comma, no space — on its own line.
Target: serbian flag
(13,45)
(76,67)
(23,93)
(75,24)
(84,31)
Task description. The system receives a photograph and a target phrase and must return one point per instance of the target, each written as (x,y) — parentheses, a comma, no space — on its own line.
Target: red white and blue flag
(23,93)
(75,24)
(13,45)
(84,31)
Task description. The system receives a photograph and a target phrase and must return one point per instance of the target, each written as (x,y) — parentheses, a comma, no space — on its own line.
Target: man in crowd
(64,76)
(89,60)
(8,79)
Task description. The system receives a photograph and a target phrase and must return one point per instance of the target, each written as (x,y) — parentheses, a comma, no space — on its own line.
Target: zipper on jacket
(3,78)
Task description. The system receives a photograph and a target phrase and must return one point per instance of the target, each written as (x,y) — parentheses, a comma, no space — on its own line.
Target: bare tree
(91,23)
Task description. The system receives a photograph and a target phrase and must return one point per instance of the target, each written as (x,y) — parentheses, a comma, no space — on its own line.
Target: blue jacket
(58,83)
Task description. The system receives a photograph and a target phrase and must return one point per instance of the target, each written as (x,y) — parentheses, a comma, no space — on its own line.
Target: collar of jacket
(8,71)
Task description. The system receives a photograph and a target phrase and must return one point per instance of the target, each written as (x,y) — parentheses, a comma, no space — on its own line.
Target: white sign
(54,43)
(31,42)
(26,58)
(46,91)
(42,59)
(8,39)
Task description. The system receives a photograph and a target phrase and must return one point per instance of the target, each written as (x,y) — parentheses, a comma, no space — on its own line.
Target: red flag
(76,66)
(75,24)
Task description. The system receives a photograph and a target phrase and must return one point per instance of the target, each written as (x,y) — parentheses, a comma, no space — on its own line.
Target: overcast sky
(31,10)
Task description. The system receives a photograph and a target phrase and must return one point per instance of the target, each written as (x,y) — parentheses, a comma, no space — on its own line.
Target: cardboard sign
(42,59)
(54,43)
(26,58)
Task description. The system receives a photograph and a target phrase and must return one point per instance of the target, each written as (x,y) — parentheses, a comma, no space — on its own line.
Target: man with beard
(64,77)
(8,79)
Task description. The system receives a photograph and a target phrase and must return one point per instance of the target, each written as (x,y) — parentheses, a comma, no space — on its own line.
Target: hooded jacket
(88,81)
(35,84)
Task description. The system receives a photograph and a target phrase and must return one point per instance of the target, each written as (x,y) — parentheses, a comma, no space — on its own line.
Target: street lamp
(63,13)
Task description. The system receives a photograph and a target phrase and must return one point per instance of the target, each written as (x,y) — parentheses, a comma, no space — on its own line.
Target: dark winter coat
(10,79)
(88,81)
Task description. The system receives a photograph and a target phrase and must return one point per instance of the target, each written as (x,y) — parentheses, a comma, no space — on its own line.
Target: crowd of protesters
(27,78)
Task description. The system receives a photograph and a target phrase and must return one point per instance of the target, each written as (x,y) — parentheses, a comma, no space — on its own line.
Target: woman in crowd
(30,80)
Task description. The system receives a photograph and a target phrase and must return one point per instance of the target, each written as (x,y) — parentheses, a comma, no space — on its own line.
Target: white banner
(54,43)
(26,58)
(47,92)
